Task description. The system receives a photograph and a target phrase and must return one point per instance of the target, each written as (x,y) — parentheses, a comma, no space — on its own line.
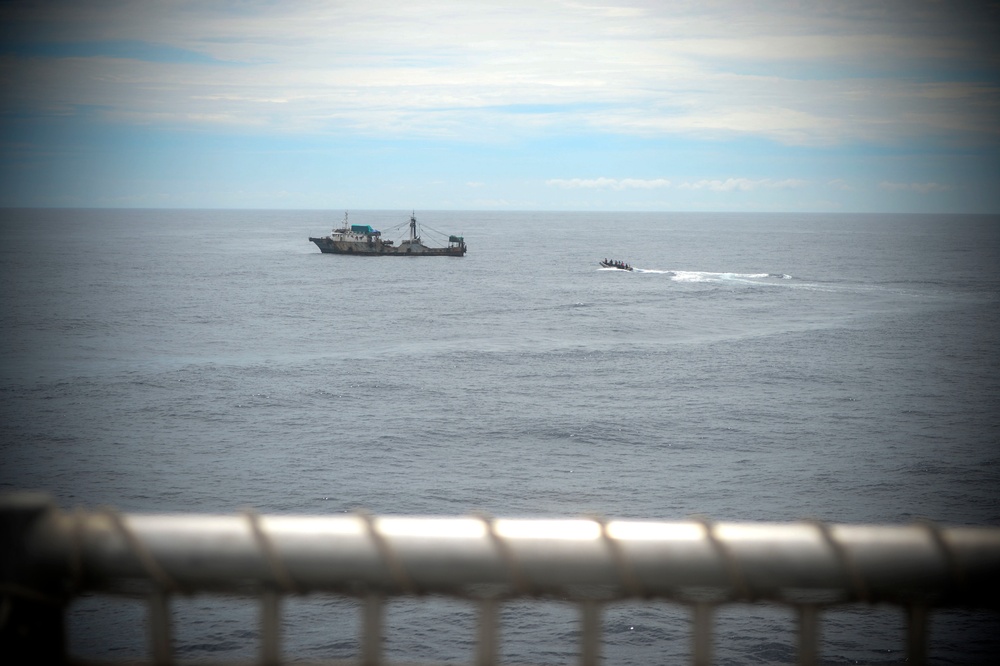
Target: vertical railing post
(486,645)
(160,634)
(916,634)
(808,635)
(702,654)
(33,627)
(371,630)
(590,629)
(270,627)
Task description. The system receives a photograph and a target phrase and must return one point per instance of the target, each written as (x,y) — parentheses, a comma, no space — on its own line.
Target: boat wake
(713,276)
(708,276)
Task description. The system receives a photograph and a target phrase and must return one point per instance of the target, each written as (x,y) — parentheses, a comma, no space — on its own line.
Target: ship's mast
(413,226)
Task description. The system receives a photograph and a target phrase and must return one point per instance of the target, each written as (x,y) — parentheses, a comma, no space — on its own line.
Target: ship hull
(376,248)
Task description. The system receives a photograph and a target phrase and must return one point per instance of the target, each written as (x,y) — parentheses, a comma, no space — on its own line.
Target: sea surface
(761,367)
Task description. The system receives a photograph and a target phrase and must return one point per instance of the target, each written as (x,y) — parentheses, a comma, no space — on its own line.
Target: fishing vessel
(362,239)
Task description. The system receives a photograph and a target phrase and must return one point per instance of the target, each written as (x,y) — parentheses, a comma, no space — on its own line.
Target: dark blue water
(753,367)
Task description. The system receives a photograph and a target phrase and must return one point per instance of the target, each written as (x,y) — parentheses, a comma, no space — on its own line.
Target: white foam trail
(695,276)
(710,276)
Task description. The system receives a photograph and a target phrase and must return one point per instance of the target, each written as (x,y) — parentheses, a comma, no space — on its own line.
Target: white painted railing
(51,555)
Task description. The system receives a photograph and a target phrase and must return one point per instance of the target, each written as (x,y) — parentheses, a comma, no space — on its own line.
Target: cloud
(742,184)
(726,185)
(922,188)
(609,183)
(802,76)
(684,94)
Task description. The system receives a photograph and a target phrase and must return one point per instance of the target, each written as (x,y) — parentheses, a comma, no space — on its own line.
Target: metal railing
(50,556)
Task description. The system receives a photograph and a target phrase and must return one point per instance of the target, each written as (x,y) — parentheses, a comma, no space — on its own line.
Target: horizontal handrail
(480,557)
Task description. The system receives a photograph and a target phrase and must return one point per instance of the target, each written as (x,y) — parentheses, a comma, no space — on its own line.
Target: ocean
(754,367)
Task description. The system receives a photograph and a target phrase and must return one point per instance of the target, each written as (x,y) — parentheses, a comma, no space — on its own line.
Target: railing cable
(279,572)
(518,581)
(145,557)
(388,555)
(843,557)
(729,561)
(630,582)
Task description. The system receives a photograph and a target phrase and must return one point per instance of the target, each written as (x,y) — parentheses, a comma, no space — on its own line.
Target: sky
(709,105)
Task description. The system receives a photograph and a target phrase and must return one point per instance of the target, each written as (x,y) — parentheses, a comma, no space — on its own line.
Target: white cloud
(726,185)
(742,184)
(609,183)
(804,76)
(922,188)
